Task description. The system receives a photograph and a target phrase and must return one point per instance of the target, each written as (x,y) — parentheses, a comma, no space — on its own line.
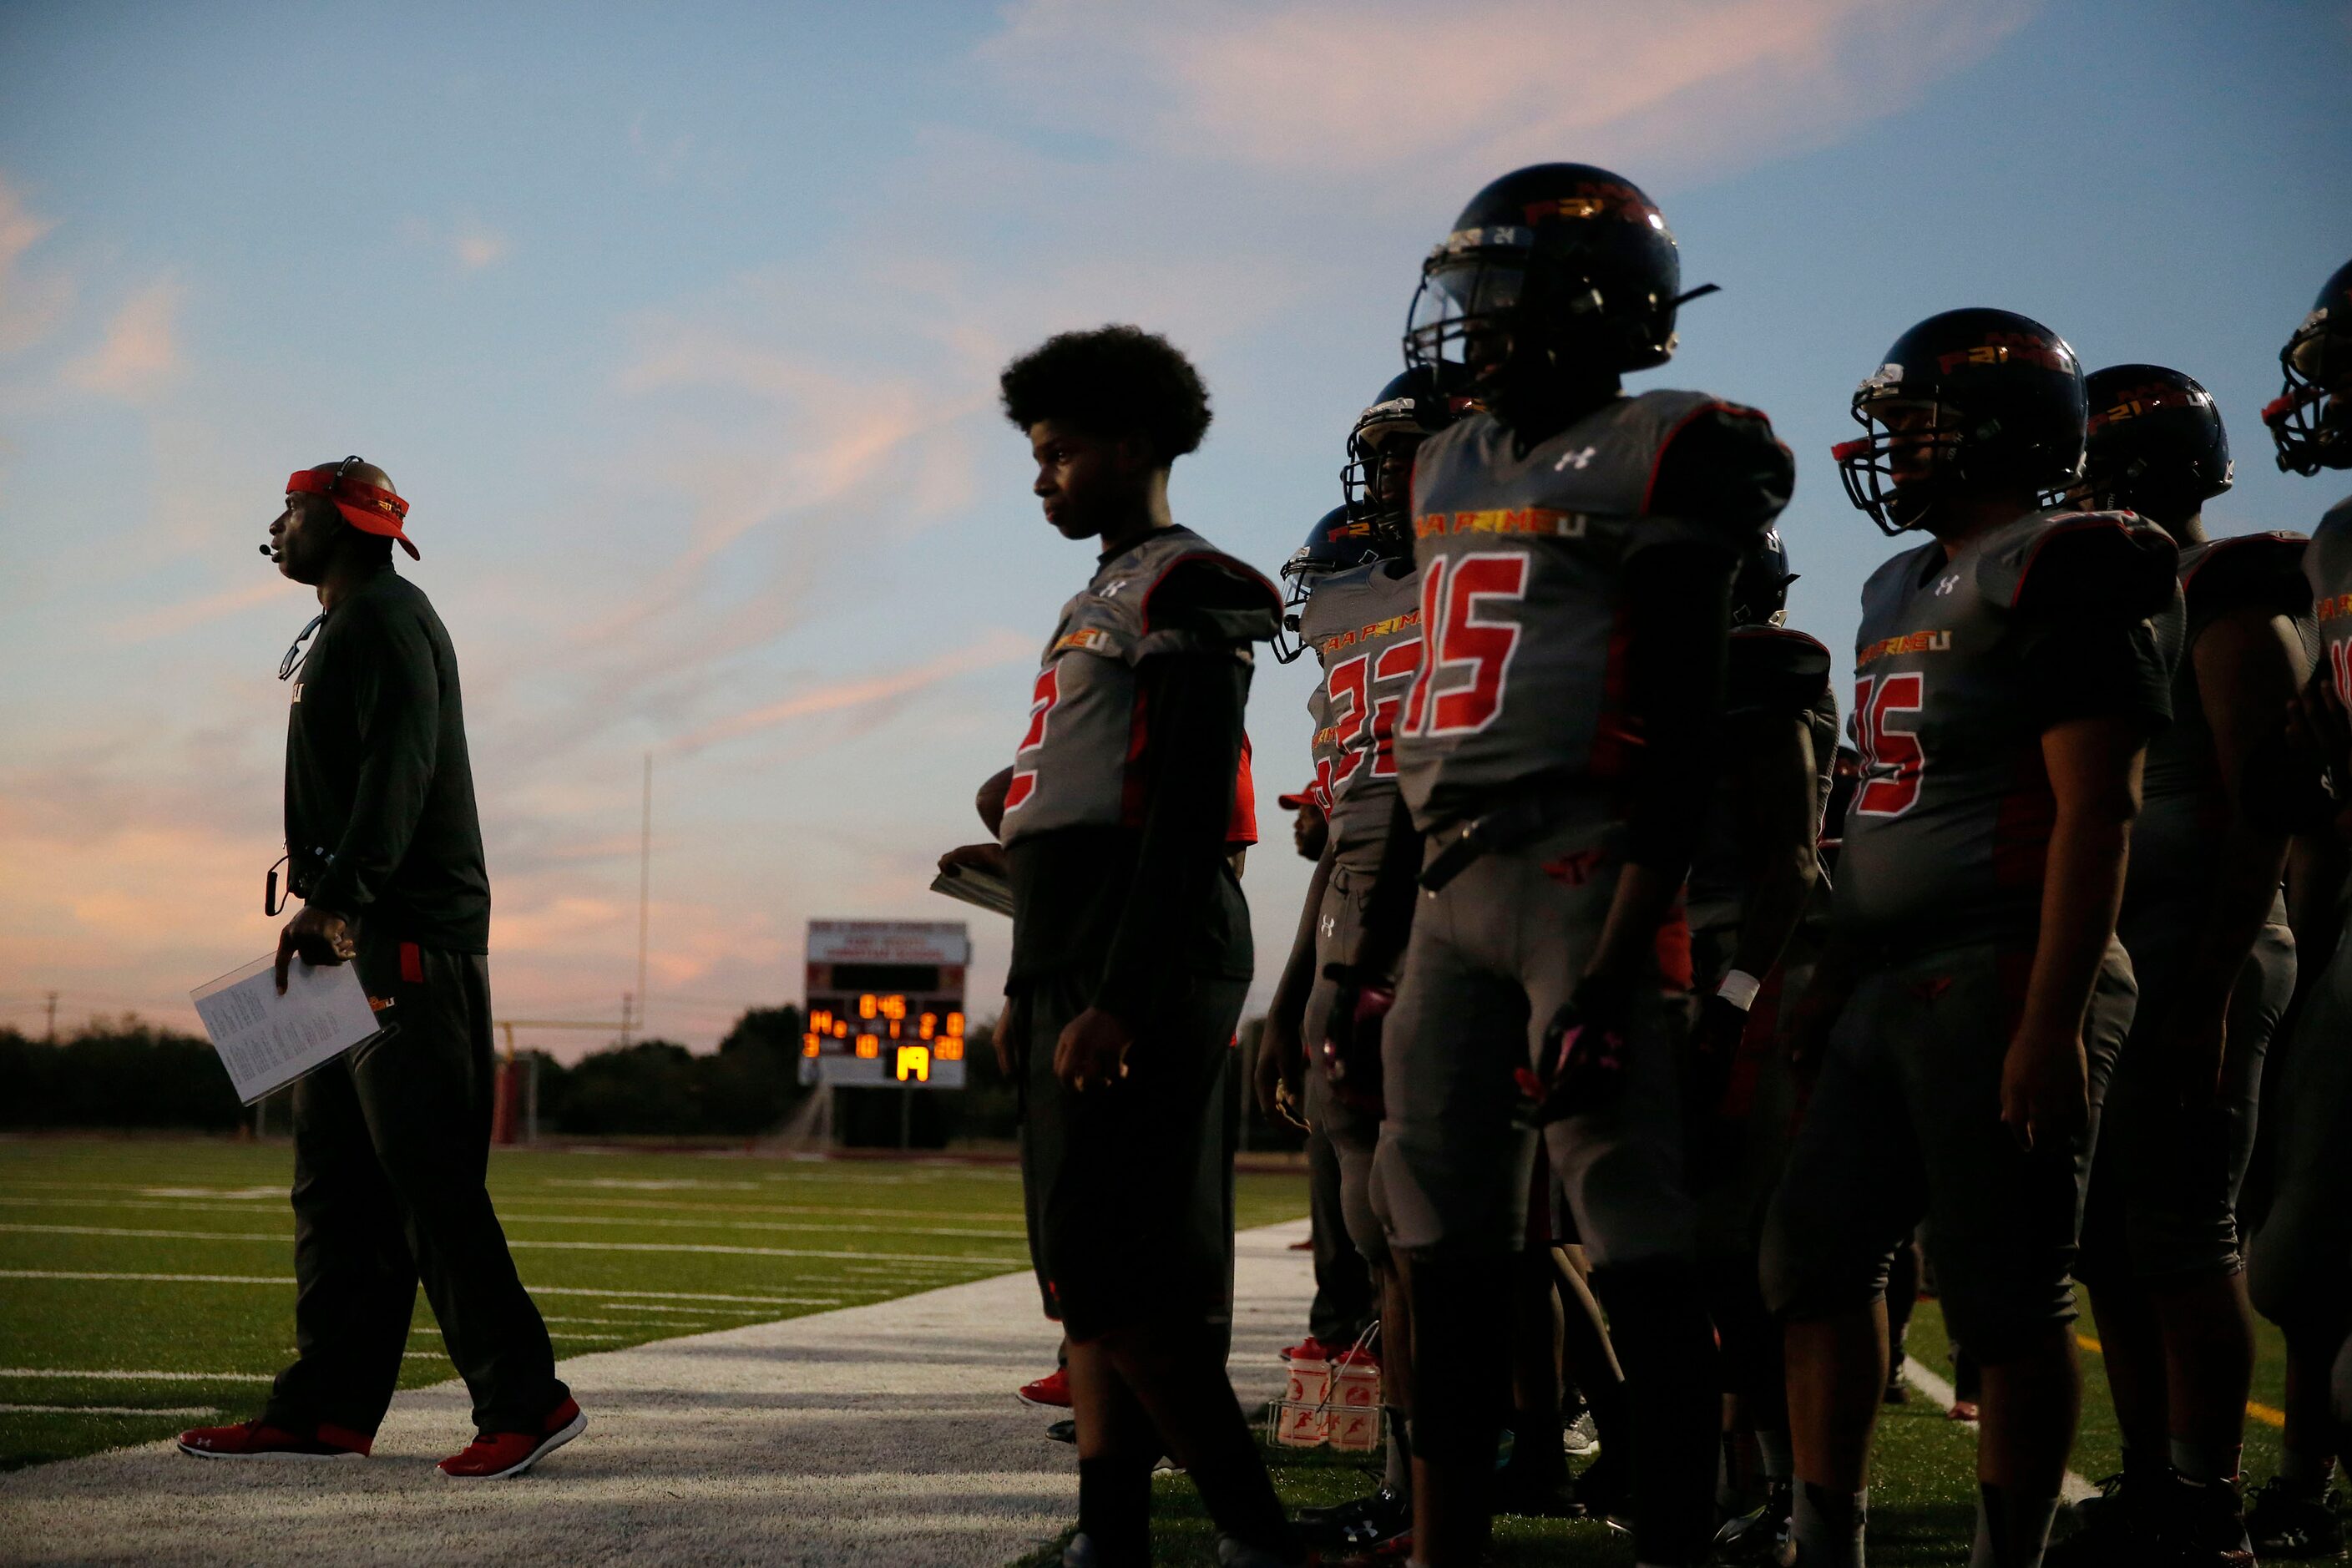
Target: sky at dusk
(680,328)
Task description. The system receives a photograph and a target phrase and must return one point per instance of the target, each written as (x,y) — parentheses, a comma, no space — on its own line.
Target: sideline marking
(911,1259)
(2073,1488)
(607,1294)
(175,1410)
(515,1215)
(2263,1413)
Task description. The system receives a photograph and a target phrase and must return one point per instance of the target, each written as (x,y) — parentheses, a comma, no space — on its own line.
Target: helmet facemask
(1906,460)
(2310,421)
(1377,483)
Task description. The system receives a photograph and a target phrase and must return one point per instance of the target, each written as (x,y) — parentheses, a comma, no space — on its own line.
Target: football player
(1752,880)
(2297,1262)
(1359,608)
(1131,949)
(1575,547)
(2006,680)
(2205,924)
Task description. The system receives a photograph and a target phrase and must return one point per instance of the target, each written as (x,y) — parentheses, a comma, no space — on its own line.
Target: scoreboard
(885,1002)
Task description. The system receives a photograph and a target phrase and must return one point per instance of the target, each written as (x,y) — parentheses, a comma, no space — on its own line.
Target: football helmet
(1377,483)
(1759,591)
(2308,418)
(1553,265)
(2155,444)
(1337,542)
(1965,402)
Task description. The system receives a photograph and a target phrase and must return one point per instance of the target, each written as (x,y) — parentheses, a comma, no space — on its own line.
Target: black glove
(1350,1051)
(1580,1066)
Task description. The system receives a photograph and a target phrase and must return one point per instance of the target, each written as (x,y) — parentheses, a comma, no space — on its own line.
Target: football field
(146,1284)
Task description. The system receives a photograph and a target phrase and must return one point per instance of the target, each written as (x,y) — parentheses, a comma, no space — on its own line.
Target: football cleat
(2288,1521)
(1582,1438)
(494,1455)
(1357,1525)
(1764,1537)
(1053,1389)
(256,1440)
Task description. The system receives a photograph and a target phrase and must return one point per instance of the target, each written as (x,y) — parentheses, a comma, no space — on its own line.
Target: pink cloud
(170,620)
(140,350)
(997,647)
(31,303)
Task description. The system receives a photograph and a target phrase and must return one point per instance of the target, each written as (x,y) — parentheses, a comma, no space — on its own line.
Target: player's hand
(979,857)
(1581,1065)
(1276,1075)
(2045,1088)
(317,936)
(1092,1051)
(1350,1051)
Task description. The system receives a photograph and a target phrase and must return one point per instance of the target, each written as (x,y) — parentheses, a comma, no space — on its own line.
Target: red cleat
(494,1454)
(253,1440)
(1053,1389)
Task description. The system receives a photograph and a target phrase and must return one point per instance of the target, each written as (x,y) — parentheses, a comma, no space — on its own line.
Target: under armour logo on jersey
(1110,589)
(1329,927)
(1578,460)
(1943,586)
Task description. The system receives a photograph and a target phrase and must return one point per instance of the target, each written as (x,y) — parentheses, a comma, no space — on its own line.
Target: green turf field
(146,1284)
(156,1275)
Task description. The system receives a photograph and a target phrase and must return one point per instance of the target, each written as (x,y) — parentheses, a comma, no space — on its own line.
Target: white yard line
(519,1214)
(2072,1490)
(885,1436)
(604,1293)
(116,1374)
(872,1259)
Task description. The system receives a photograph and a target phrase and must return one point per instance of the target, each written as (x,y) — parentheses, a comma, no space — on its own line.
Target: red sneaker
(253,1440)
(493,1454)
(1053,1389)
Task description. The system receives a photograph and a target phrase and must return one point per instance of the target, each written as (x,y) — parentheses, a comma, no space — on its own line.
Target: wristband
(1739,989)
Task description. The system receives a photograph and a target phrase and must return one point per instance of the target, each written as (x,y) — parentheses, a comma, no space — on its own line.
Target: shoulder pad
(1774,670)
(2055,562)
(1719,462)
(2263,570)
(1207,598)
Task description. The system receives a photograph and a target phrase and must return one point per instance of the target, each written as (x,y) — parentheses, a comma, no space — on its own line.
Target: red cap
(1304,797)
(365,507)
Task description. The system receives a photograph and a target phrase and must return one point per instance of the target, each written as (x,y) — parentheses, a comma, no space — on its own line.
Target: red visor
(365,507)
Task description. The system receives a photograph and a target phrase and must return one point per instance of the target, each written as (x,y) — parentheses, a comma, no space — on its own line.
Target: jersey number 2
(1456,636)
(1892,757)
(1353,682)
(1047,692)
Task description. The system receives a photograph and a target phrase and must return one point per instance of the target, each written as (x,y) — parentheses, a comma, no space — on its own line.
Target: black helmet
(1759,593)
(2156,446)
(2309,416)
(1336,543)
(1408,410)
(1987,398)
(1561,261)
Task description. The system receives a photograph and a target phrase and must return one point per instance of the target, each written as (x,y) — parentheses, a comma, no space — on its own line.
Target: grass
(166,1264)
(99,1238)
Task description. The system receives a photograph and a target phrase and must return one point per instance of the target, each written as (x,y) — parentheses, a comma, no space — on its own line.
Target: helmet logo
(1889,378)
(2004,348)
(1596,200)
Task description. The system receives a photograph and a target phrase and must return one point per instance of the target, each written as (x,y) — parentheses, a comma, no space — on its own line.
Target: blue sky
(678,326)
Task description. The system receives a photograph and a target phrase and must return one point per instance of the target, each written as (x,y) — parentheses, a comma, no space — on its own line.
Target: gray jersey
(1522,560)
(1947,837)
(1772,673)
(2327,567)
(1364,625)
(1082,761)
(2184,806)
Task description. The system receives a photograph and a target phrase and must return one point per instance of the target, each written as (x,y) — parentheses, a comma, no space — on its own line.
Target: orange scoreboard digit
(885,1002)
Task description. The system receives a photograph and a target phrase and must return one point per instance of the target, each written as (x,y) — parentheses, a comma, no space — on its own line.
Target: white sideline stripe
(176,1410)
(610,1296)
(112,1375)
(910,1259)
(2072,1490)
(512,1213)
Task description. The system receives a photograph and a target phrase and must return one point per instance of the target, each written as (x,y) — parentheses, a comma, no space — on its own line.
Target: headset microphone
(265,550)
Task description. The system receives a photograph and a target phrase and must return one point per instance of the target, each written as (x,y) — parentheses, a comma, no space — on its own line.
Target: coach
(392,1140)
